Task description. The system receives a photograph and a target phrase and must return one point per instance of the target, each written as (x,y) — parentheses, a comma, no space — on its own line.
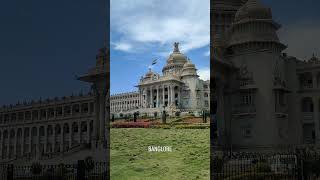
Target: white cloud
(204,74)
(122,46)
(143,22)
(302,39)
(207,53)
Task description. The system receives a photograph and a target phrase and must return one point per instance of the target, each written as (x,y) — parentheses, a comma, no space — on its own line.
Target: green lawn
(189,159)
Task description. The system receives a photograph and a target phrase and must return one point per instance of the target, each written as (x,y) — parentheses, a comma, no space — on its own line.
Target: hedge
(133,124)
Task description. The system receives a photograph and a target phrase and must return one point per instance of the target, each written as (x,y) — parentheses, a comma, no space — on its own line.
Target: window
(246,98)
(282,100)
(206,104)
(247,132)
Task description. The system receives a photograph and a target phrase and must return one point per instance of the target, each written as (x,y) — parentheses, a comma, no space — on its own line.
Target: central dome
(176,57)
(253,9)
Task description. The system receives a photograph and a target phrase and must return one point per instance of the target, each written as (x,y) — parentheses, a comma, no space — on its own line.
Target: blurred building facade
(265,98)
(60,130)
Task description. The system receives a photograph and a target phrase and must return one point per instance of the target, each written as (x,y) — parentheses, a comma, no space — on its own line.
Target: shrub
(89,163)
(193,126)
(61,171)
(262,167)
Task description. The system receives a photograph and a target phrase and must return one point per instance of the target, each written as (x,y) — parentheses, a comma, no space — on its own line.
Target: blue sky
(300,22)
(45,44)
(142,31)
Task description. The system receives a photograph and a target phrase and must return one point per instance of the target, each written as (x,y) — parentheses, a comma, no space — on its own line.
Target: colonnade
(38,140)
(159,95)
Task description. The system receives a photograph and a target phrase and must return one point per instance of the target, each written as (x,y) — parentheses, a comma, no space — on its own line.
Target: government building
(59,130)
(265,98)
(178,89)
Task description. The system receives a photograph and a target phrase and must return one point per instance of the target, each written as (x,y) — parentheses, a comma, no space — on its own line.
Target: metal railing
(79,171)
(284,165)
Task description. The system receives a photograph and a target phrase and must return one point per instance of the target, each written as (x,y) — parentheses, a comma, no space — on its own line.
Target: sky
(45,44)
(142,31)
(300,29)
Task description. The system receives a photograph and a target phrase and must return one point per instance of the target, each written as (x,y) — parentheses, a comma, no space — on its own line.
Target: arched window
(49,130)
(84,126)
(34,131)
(75,128)
(12,133)
(66,128)
(41,131)
(57,129)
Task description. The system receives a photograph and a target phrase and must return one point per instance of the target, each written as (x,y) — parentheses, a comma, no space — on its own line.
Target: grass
(189,159)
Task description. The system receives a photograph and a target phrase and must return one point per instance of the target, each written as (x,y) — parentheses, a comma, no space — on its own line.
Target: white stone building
(178,89)
(60,130)
(265,98)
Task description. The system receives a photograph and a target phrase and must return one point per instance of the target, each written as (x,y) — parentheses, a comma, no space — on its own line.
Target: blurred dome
(189,69)
(149,74)
(253,9)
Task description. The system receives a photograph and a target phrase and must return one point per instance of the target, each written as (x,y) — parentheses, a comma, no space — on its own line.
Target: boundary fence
(79,171)
(299,165)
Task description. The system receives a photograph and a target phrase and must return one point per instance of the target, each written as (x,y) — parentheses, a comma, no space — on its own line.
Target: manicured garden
(130,159)
(186,122)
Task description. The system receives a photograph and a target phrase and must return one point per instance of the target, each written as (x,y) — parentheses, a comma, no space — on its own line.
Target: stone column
(62,138)
(179,96)
(89,108)
(144,98)
(96,123)
(316,119)
(31,116)
(70,134)
(38,142)
(1,145)
(53,138)
(151,98)
(45,139)
(63,111)
(8,147)
(23,141)
(220,114)
(163,95)
(88,132)
(157,97)
(168,92)
(172,95)
(314,80)
(139,99)
(79,132)
(71,109)
(15,143)
(102,114)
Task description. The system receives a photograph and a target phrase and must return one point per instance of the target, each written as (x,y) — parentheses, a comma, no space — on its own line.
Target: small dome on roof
(149,73)
(188,65)
(313,58)
(189,69)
